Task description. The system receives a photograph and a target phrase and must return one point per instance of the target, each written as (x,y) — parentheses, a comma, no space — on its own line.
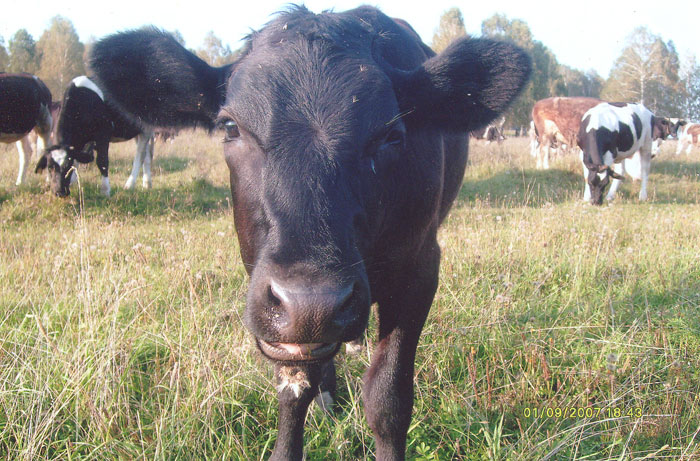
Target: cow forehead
(309,88)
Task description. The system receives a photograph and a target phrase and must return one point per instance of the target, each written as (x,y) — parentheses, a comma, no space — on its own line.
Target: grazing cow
(688,136)
(492,132)
(346,141)
(86,123)
(611,133)
(675,125)
(557,121)
(164,135)
(25,104)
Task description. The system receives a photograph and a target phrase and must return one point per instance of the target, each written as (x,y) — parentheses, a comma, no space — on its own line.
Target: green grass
(121,333)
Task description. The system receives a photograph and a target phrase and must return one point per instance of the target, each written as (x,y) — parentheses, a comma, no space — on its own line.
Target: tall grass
(121,333)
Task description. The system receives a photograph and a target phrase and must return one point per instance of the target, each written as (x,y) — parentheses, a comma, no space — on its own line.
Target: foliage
(546,79)
(23,53)
(646,72)
(580,83)
(61,55)
(690,107)
(4,57)
(214,52)
(451,27)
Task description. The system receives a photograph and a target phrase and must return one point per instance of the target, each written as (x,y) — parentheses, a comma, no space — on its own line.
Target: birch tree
(61,55)
(451,27)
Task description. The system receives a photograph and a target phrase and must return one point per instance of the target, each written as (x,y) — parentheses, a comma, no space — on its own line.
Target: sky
(583,35)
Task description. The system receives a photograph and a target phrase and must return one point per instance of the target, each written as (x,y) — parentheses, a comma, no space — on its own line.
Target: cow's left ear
(466,86)
(41,164)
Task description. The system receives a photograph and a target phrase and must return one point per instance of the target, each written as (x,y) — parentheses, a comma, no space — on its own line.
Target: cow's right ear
(155,81)
(466,86)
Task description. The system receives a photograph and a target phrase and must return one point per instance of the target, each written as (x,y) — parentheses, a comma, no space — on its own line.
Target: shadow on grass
(184,201)
(685,170)
(513,188)
(194,198)
(517,188)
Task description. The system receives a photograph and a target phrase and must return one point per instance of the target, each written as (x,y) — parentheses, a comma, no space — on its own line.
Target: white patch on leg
(294,379)
(608,158)
(25,151)
(130,183)
(326,401)
(104,188)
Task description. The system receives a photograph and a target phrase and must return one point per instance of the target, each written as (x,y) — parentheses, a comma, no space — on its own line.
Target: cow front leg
(296,388)
(141,152)
(645,163)
(103,165)
(615,183)
(24,148)
(147,160)
(388,390)
(587,187)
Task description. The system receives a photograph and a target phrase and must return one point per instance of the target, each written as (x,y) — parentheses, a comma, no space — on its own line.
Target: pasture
(560,330)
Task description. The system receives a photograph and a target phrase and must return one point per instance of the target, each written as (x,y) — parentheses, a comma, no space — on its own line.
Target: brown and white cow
(688,137)
(346,141)
(557,121)
(25,105)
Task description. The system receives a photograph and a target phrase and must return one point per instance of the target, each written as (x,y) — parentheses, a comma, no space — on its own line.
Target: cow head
(662,128)
(330,123)
(60,161)
(598,179)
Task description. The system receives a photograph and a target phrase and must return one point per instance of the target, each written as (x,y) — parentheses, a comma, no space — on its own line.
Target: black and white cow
(87,124)
(25,105)
(492,132)
(346,140)
(609,134)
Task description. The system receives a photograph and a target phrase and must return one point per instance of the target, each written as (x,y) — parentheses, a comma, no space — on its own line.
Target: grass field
(560,330)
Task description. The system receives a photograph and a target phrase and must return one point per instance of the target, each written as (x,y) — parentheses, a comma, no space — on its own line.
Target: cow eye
(394,139)
(231,130)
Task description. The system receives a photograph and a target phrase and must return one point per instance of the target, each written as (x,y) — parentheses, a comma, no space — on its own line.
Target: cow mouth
(290,352)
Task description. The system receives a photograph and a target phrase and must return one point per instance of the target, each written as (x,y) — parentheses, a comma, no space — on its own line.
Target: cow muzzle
(301,322)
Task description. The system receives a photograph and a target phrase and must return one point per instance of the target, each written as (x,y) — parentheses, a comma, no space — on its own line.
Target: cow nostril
(344,313)
(274,300)
(276,311)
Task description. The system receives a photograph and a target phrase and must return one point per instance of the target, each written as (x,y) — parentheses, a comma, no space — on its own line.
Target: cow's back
(21,98)
(83,117)
(565,113)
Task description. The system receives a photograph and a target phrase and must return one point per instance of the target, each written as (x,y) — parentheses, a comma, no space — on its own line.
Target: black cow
(346,141)
(25,104)
(86,123)
(609,135)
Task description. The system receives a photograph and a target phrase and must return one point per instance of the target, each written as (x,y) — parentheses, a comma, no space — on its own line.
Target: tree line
(648,70)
